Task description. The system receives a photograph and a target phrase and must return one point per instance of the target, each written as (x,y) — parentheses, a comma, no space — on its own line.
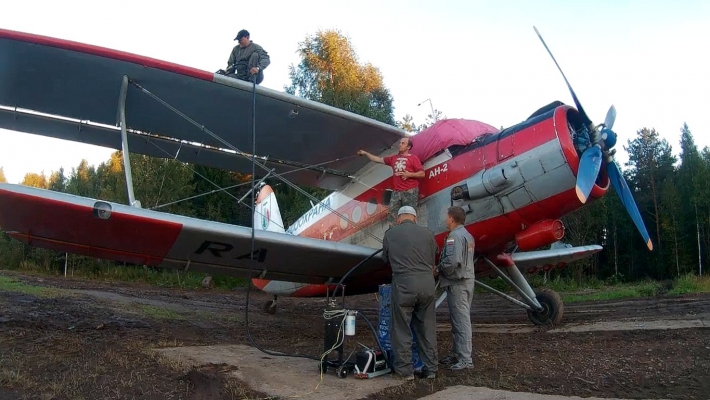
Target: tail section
(267,216)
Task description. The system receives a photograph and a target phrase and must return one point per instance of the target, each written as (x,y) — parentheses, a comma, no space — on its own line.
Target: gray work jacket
(410,250)
(456,261)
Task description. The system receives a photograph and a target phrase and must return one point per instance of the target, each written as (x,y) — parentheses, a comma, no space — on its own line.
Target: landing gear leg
(544,306)
(270,306)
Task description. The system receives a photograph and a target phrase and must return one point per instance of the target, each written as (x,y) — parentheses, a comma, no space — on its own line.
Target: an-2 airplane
(515,183)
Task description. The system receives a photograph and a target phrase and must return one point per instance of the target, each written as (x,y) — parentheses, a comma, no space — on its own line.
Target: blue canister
(384,331)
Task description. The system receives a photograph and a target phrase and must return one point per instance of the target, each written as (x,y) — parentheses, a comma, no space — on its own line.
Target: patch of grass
(12,285)
(19,257)
(690,283)
(108,272)
(160,312)
(610,294)
(592,289)
(648,288)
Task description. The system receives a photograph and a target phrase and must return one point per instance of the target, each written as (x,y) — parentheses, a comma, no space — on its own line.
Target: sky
(472,59)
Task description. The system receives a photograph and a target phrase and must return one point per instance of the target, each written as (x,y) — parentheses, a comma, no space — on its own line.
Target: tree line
(671,192)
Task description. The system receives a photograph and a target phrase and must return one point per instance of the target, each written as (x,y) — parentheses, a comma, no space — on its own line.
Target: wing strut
(241,153)
(124,139)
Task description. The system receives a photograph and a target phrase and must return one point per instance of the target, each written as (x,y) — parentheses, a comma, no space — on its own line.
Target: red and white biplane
(514,183)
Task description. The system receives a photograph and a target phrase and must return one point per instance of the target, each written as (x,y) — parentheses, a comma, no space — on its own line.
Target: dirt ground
(88,340)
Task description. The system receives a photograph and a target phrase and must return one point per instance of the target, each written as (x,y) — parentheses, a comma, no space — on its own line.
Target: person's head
(406,213)
(405,144)
(243,38)
(455,216)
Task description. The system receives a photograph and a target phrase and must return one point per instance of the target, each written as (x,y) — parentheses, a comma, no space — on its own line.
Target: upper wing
(553,257)
(81,83)
(128,234)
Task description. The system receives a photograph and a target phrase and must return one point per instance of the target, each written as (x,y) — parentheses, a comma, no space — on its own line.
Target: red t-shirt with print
(399,163)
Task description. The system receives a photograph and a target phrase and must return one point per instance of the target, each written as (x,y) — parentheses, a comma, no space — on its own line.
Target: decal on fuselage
(439,169)
(319,209)
(217,248)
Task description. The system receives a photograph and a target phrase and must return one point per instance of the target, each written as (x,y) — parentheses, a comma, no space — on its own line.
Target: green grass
(159,312)
(8,284)
(691,284)
(87,268)
(606,294)
(592,289)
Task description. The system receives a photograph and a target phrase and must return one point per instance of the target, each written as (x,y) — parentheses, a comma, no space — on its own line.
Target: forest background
(672,193)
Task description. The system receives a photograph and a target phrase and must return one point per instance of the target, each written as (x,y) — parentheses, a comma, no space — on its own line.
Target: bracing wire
(253,244)
(327,314)
(252,157)
(221,189)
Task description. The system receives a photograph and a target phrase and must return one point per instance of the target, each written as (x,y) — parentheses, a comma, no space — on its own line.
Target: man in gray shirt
(456,274)
(247,59)
(410,250)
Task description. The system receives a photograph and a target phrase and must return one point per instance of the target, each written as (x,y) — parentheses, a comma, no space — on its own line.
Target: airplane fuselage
(506,182)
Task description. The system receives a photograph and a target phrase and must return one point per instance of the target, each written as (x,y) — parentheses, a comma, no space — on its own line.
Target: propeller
(599,144)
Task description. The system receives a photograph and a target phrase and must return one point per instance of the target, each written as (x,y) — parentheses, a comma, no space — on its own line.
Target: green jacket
(242,58)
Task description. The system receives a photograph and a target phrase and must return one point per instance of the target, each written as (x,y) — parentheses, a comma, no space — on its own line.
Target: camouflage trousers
(400,199)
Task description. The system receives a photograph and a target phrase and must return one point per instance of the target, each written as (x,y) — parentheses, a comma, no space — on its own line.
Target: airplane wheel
(552,308)
(270,307)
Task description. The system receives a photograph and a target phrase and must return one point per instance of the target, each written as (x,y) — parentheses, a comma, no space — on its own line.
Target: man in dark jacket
(410,250)
(456,274)
(247,59)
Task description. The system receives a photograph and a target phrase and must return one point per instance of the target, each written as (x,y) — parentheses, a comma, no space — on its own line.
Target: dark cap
(241,34)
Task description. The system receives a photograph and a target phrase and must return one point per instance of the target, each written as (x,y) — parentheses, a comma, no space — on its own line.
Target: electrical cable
(377,339)
(340,284)
(327,314)
(253,240)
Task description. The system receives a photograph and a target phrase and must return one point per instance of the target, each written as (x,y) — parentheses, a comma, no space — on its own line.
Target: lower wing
(81,225)
(532,261)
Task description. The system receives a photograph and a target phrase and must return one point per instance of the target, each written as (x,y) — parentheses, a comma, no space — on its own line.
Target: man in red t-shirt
(407,170)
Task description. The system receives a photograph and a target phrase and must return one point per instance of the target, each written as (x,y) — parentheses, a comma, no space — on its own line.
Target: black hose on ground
(251,260)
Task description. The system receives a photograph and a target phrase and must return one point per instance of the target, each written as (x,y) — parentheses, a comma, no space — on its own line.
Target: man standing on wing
(456,274)
(407,171)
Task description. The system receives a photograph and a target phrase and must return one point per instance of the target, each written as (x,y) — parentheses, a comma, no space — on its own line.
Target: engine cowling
(542,233)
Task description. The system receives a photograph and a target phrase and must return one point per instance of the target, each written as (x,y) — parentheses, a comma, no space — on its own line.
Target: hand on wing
(361,152)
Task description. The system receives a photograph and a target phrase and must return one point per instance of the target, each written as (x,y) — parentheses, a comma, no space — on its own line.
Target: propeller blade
(610,117)
(589,165)
(586,119)
(622,189)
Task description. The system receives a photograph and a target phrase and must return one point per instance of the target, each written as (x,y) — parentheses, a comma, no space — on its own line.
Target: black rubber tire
(270,307)
(343,372)
(552,308)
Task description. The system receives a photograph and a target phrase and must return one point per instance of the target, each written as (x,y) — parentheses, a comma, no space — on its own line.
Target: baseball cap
(407,210)
(241,34)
